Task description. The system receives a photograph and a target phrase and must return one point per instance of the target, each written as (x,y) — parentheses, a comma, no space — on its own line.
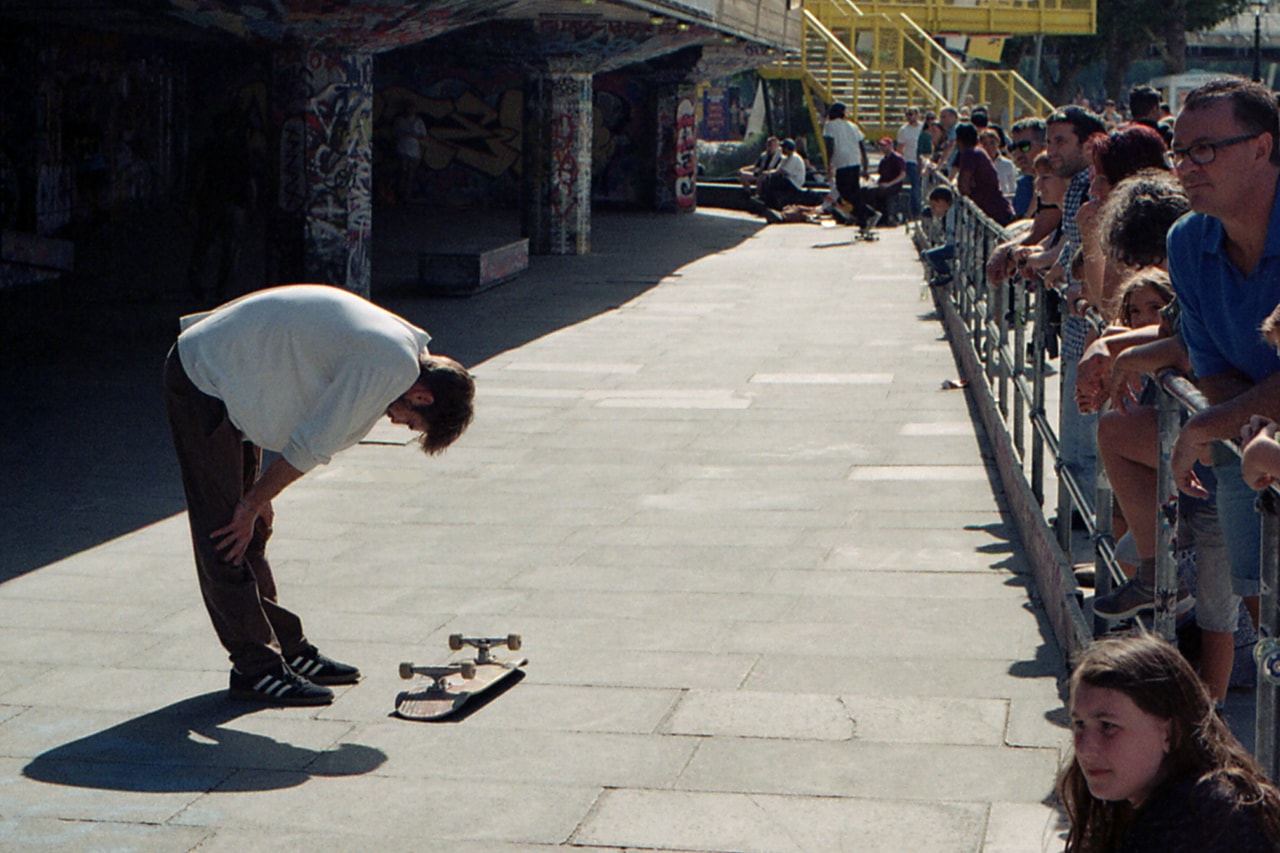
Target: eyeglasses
(1204,153)
(1024,145)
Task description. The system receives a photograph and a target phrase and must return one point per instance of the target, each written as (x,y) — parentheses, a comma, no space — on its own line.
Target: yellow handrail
(845,53)
(928,94)
(904,66)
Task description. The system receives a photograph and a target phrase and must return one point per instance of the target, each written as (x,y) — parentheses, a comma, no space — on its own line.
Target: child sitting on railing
(938,259)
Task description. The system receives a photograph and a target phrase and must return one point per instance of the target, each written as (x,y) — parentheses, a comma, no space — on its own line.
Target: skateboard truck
(482,645)
(457,685)
(439,674)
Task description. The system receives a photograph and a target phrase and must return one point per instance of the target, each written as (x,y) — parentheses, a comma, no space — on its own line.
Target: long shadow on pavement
(84,445)
(186,747)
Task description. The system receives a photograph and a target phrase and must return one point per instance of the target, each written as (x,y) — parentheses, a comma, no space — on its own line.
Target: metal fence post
(1169,414)
(1037,395)
(1019,366)
(1000,296)
(1104,546)
(1266,748)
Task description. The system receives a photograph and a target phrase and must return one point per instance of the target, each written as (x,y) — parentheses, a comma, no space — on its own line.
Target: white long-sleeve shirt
(305,370)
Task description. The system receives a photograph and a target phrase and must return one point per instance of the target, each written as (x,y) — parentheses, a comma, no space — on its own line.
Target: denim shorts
(1241,524)
(1217,605)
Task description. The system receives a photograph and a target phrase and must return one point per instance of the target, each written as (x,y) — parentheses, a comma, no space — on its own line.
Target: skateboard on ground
(459,682)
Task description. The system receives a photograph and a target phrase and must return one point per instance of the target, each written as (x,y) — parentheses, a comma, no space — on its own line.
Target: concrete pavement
(763,575)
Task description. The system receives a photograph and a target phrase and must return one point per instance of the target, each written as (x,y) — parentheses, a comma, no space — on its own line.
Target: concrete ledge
(466,271)
(1055,582)
(30,258)
(730,195)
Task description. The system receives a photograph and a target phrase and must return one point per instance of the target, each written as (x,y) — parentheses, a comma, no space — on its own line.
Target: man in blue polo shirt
(1224,260)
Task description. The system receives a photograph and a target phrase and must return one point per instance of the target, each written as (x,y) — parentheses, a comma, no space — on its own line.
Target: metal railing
(1015,17)
(882,63)
(1000,335)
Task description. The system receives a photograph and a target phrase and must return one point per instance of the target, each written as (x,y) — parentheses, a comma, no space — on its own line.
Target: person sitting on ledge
(749,176)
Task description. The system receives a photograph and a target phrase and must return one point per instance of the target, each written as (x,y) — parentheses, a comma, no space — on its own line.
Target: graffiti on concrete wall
(677,148)
(557,163)
(475,127)
(569,115)
(472,142)
(89,129)
(686,151)
(325,161)
(621,119)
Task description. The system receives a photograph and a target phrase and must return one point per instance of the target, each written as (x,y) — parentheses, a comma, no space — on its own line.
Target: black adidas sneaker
(279,685)
(319,669)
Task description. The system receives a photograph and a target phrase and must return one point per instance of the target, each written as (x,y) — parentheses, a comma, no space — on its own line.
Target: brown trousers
(218,468)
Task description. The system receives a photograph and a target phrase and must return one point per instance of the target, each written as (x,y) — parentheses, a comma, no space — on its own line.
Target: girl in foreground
(1155,768)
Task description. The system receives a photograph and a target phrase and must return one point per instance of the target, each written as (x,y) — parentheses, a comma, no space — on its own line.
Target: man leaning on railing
(1227,156)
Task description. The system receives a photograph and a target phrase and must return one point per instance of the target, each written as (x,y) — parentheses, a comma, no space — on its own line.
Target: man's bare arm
(234,538)
(1233,401)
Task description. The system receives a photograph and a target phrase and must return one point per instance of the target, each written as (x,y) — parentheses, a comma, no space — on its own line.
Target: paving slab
(741,823)
(764,575)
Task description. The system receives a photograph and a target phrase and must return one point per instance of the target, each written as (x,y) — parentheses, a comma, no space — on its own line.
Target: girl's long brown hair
(1159,680)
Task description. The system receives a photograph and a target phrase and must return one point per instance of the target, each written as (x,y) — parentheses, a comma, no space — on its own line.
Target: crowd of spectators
(1126,190)
(1157,239)
(1154,243)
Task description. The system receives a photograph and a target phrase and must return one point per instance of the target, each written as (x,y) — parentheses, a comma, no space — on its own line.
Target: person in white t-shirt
(1006,169)
(907,144)
(784,184)
(304,371)
(847,162)
(410,130)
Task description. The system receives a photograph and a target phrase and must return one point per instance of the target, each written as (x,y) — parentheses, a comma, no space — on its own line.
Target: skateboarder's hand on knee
(233,539)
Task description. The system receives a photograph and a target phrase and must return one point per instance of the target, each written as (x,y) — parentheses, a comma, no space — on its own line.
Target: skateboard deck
(451,686)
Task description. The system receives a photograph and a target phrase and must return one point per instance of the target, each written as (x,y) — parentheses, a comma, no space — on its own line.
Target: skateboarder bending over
(306,371)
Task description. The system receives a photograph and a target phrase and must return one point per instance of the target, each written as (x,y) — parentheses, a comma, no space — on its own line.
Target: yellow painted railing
(990,17)
(879,64)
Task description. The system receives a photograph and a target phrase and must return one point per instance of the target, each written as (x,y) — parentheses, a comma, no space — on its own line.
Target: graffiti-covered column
(556,195)
(323,217)
(675,188)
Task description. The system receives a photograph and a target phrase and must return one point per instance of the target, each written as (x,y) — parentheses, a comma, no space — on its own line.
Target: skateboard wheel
(455,642)
(406,670)
(513,642)
(468,670)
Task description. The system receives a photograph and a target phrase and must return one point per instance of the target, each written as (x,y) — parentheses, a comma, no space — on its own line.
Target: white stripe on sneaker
(305,667)
(272,686)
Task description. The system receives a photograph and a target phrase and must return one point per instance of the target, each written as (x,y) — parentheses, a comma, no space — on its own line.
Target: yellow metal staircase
(877,59)
(993,17)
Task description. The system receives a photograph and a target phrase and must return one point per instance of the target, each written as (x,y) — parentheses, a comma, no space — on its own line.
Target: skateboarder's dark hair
(449,415)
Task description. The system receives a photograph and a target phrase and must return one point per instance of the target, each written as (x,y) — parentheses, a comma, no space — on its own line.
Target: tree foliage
(1127,30)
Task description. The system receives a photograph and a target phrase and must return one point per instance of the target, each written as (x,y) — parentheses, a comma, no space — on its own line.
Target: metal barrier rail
(1178,394)
(992,321)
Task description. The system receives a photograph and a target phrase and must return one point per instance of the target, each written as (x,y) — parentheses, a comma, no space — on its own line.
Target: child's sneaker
(1133,597)
(278,686)
(320,669)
